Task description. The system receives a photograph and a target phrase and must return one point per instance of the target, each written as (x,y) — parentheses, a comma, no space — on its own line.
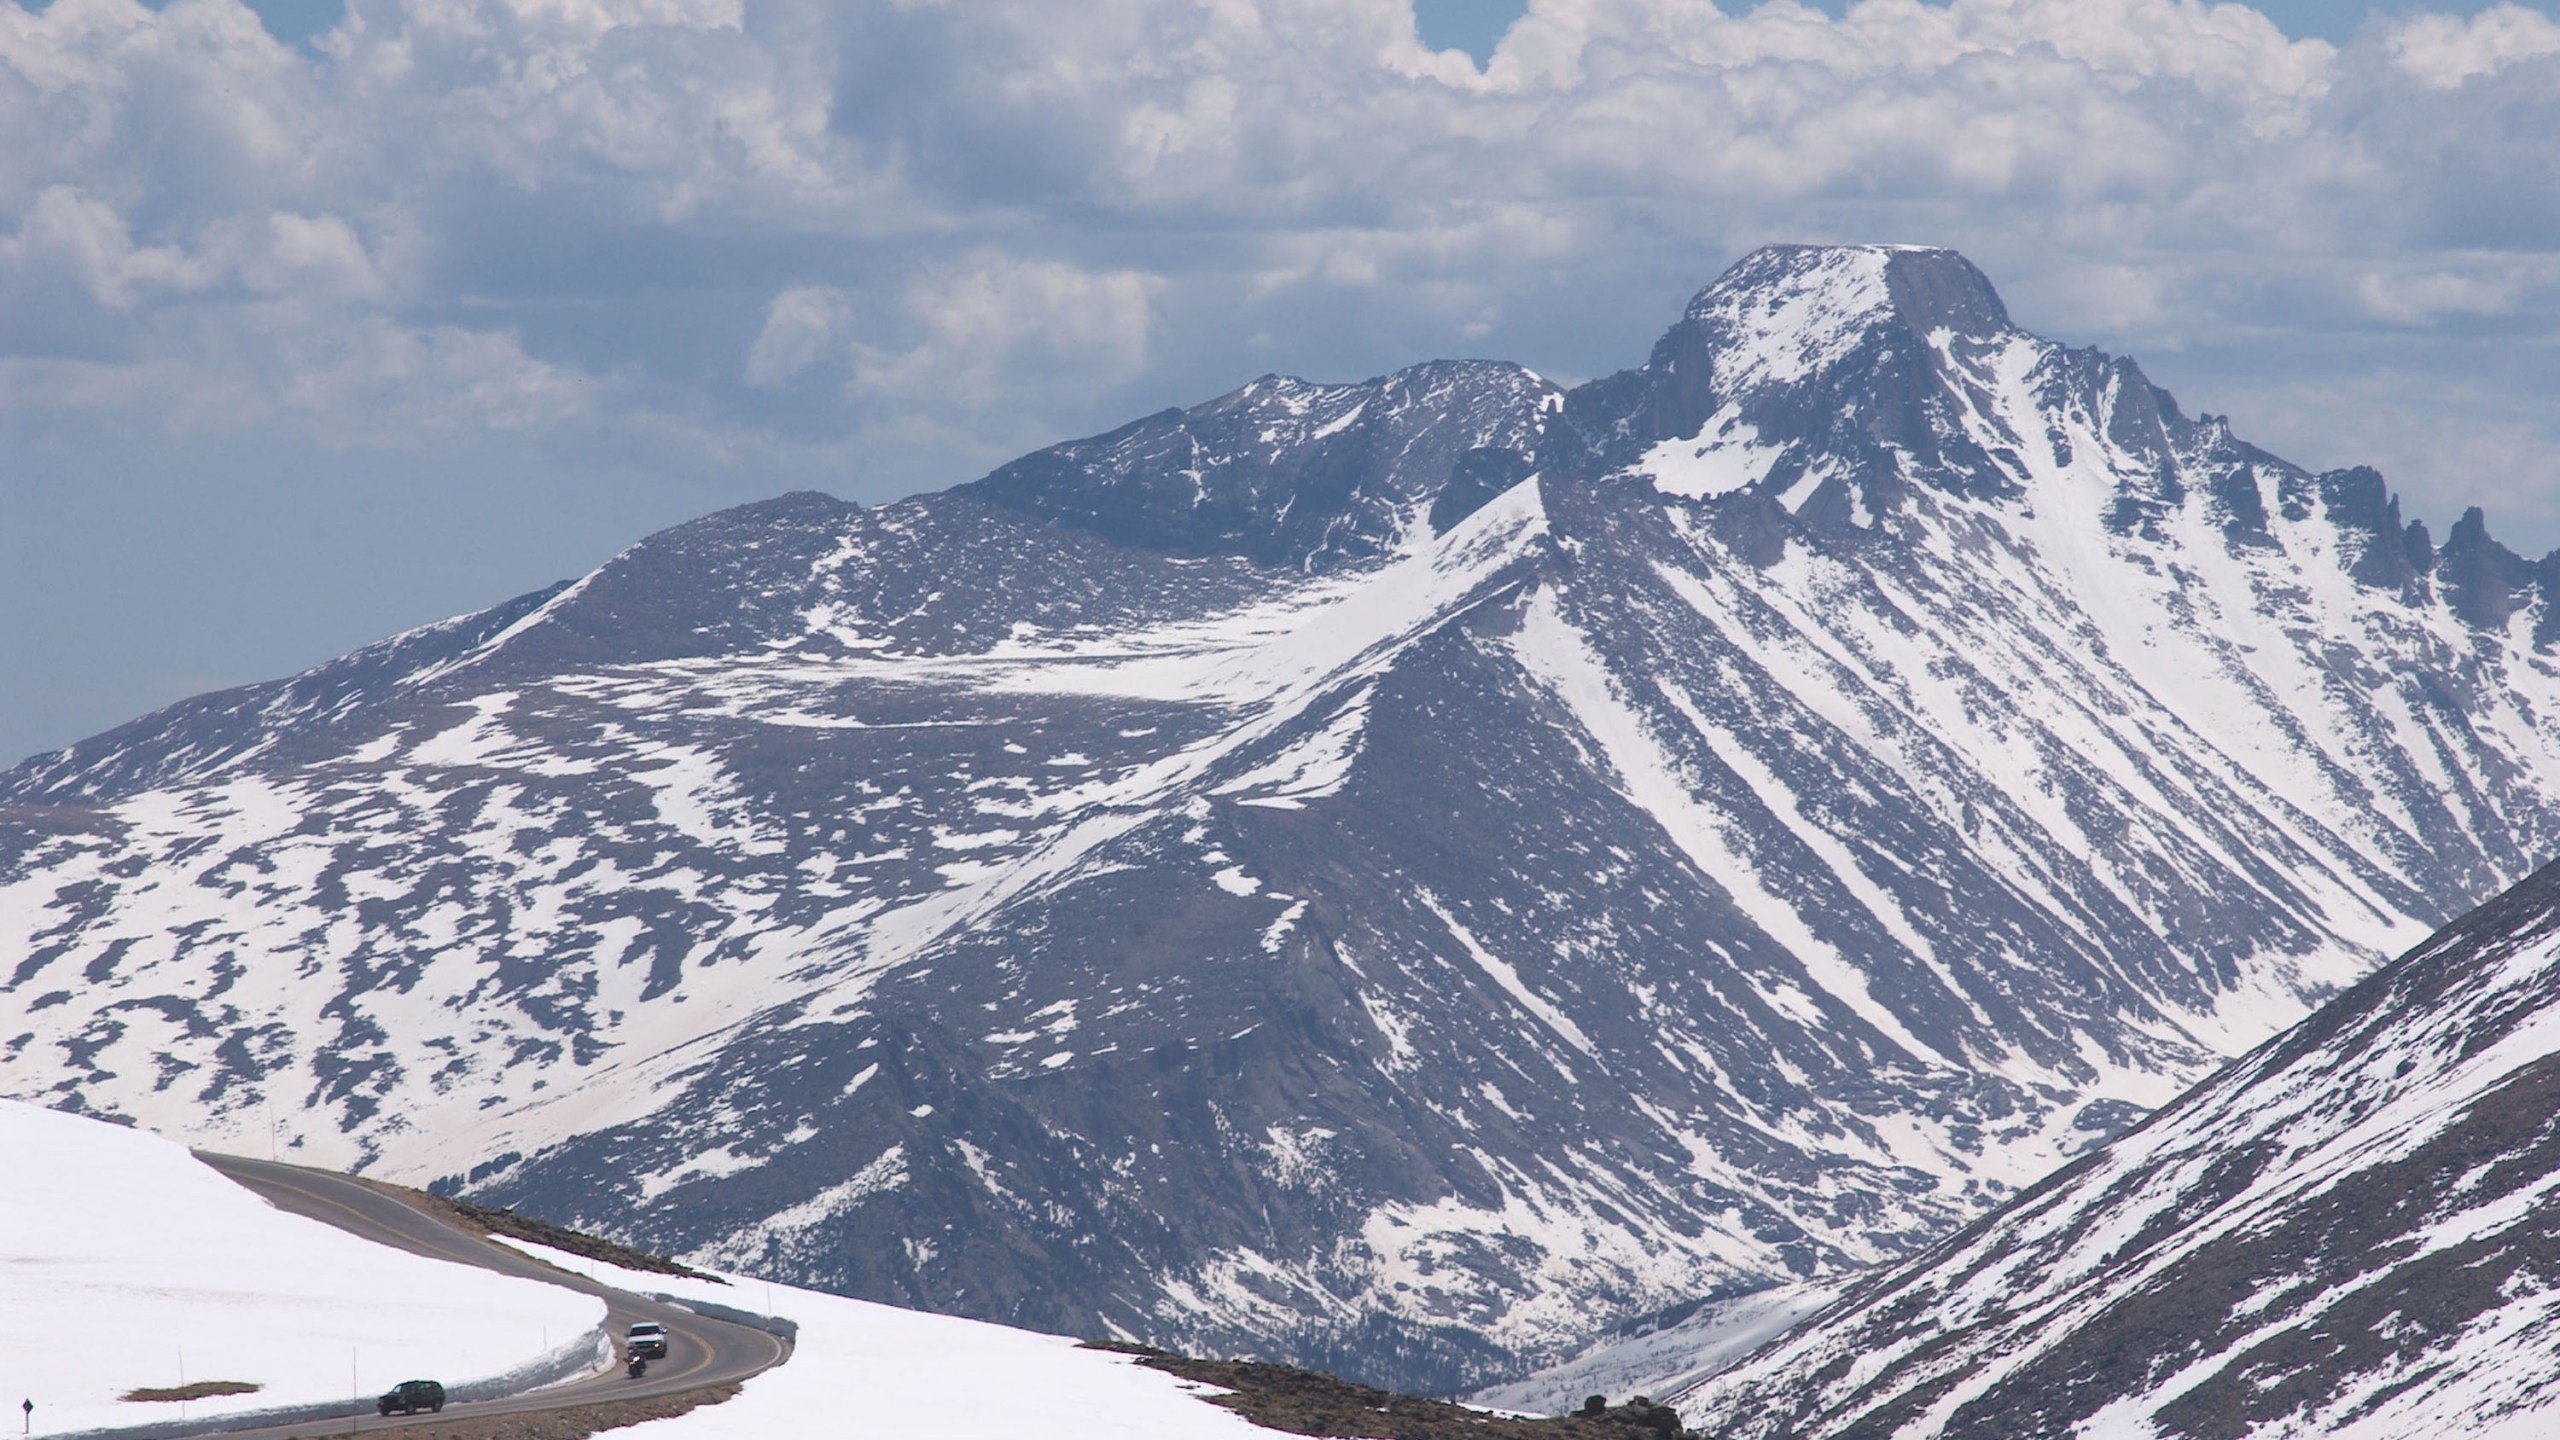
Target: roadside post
(26,1417)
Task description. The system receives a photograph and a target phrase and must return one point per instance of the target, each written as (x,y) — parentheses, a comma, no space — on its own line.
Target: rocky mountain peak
(1783,312)
(1811,378)
(2488,583)
(1289,472)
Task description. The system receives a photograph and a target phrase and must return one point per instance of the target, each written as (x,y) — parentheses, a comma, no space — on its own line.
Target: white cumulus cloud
(882,244)
(800,326)
(2442,51)
(994,325)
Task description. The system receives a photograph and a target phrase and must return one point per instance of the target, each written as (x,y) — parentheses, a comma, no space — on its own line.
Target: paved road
(700,1350)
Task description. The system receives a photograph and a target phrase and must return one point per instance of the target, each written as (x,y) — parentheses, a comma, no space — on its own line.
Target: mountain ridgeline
(1395,877)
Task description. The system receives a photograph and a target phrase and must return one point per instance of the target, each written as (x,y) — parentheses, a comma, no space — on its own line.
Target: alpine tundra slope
(1396,876)
(2349,1233)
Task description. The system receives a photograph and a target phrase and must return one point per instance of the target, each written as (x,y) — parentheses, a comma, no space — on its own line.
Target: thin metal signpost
(27,1417)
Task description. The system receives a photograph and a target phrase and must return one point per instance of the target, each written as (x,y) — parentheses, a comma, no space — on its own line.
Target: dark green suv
(411,1396)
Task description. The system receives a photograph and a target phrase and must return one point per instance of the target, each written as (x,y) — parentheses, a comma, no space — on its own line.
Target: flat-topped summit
(1814,347)
(1783,312)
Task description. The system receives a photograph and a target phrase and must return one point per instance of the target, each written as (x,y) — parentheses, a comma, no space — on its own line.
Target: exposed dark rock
(1298,1401)
(2487,583)
(2362,506)
(1286,473)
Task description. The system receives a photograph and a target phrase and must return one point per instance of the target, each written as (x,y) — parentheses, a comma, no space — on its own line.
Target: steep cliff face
(1393,876)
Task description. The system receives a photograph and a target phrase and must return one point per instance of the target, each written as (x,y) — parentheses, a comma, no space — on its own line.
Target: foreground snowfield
(123,1262)
(860,1367)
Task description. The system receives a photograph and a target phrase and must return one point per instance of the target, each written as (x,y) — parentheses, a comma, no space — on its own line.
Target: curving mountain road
(701,1351)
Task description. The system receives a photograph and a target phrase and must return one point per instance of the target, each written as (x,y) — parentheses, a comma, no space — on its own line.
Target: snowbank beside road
(861,1368)
(123,1261)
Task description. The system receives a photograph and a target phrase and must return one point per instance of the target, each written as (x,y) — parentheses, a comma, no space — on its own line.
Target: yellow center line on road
(435,1248)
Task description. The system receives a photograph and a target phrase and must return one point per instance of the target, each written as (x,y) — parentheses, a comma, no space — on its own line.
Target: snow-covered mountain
(1395,876)
(2349,1233)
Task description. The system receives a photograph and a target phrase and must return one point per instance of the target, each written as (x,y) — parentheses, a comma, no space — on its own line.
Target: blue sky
(322,320)
(1476,25)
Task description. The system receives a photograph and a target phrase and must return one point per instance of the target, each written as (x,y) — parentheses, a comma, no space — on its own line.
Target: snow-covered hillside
(1397,877)
(877,1369)
(125,1265)
(2348,1234)
(1662,1354)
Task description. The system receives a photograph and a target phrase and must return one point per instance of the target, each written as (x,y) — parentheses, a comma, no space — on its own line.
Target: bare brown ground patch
(1309,1402)
(195,1390)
